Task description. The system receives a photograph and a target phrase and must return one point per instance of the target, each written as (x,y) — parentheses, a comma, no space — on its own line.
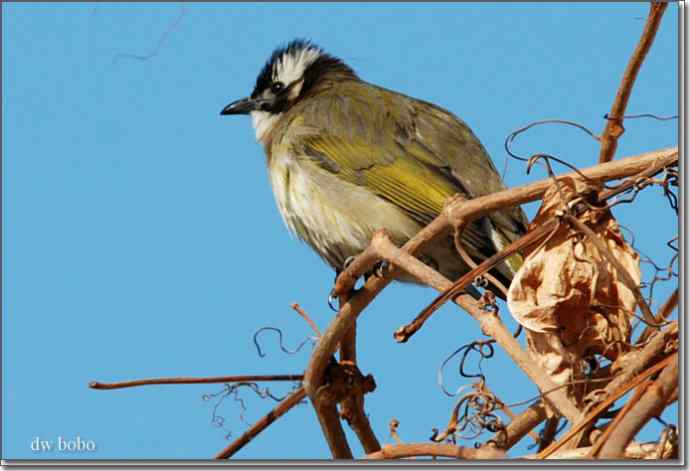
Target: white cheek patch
(291,66)
(263,122)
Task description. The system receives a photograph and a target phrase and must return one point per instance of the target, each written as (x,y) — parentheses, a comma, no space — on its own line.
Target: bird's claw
(348,261)
(481,282)
(332,298)
(381,268)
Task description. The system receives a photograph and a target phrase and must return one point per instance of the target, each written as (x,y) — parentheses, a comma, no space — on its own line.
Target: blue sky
(140,235)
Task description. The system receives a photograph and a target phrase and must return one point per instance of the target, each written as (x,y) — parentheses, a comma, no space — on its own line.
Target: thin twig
(327,413)
(634,451)
(393,430)
(519,426)
(664,312)
(288,403)
(352,408)
(298,309)
(614,124)
(404,333)
(191,380)
(159,44)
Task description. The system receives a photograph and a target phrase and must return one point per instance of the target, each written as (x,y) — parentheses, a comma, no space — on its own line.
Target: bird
(346,157)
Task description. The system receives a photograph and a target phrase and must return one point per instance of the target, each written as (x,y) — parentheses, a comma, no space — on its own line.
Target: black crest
(323,65)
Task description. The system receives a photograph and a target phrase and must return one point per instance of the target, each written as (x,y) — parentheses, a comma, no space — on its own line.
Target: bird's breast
(335,217)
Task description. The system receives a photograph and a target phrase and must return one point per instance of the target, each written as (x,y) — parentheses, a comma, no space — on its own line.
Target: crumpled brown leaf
(570,300)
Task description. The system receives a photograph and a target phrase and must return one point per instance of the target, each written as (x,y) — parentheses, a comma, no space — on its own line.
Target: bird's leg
(332,298)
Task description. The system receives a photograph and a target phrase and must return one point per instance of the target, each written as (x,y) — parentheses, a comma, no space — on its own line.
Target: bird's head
(292,73)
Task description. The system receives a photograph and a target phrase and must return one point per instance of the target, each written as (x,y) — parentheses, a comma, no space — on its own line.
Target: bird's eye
(277,87)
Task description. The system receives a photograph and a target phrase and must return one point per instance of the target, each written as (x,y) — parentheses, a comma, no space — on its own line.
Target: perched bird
(346,157)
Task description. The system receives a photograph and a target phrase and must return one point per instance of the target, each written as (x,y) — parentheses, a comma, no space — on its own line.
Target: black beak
(243,106)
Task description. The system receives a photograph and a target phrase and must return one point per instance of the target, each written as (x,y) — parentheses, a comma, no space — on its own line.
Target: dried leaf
(570,300)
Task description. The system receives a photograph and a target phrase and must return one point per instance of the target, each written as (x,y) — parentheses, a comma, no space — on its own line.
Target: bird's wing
(410,153)
(454,144)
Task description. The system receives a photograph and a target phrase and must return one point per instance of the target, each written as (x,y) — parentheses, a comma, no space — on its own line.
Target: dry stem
(189,380)
(288,403)
(448,450)
(614,125)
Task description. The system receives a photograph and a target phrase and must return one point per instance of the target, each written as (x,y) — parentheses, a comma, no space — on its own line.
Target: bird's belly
(336,218)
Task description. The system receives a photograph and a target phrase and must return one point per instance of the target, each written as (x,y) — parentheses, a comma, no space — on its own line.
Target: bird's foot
(481,282)
(348,261)
(332,298)
(381,268)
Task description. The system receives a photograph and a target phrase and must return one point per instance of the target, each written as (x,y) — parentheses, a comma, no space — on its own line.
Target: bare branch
(298,309)
(463,212)
(190,380)
(614,125)
(664,312)
(634,451)
(520,426)
(327,413)
(352,408)
(288,403)
(448,450)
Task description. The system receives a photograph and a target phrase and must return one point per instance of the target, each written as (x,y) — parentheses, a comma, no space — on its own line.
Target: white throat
(263,122)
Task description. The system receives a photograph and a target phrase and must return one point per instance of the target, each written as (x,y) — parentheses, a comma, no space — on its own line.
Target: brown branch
(634,451)
(190,380)
(614,125)
(347,279)
(473,265)
(288,403)
(327,413)
(463,212)
(662,315)
(520,426)
(633,363)
(650,405)
(298,309)
(393,430)
(511,415)
(447,450)
(358,421)
(549,433)
(352,408)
